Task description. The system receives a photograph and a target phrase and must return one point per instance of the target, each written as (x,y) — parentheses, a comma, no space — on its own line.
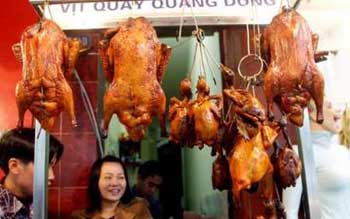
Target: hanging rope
(251,80)
(288,6)
(204,54)
(47,9)
(178,39)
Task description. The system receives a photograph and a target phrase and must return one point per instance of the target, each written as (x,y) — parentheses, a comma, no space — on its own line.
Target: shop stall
(217,41)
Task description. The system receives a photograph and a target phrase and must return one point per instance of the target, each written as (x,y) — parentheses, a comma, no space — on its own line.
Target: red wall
(69,189)
(14,17)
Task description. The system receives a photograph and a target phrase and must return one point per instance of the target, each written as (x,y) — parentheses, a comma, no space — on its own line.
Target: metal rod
(41,162)
(309,179)
(296,4)
(52,2)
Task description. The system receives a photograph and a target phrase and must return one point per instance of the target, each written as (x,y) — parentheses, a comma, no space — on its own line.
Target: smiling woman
(109,193)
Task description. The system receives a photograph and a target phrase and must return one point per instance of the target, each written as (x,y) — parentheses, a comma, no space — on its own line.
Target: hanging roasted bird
(220,175)
(48,58)
(250,113)
(292,77)
(287,167)
(249,161)
(206,116)
(134,62)
(181,129)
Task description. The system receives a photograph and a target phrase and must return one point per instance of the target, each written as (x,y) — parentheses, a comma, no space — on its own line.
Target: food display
(206,116)
(181,129)
(134,62)
(292,77)
(238,122)
(48,58)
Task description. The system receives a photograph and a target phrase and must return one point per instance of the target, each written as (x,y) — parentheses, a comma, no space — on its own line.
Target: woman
(109,193)
(332,163)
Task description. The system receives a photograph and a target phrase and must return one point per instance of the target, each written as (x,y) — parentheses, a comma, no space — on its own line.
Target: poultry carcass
(181,131)
(48,58)
(292,77)
(220,176)
(249,161)
(206,116)
(134,63)
(250,113)
(288,167)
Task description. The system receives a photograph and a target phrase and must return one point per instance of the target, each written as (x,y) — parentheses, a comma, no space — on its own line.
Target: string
(181,24)
(47,8)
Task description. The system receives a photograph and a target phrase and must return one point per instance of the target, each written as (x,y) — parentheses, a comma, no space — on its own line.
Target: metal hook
(199,34)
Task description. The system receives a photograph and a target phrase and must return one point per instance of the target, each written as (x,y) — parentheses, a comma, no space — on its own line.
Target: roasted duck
(292,77)
(249,161)
(48,58)
(221,174)
(134,62)
(206,116)
(249,111)
(288,167)
(181,131)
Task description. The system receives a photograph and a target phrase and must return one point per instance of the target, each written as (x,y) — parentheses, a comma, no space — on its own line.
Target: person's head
(149,178)
(345,128)
(332,117)
(17,159)
(108,183)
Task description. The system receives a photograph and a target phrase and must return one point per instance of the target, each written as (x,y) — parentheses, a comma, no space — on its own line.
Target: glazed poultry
(206,116)
(248,109)
(249,161)
(292,77)
(181,131)
(48,58)
(134,62)
(288,167)
(220,176)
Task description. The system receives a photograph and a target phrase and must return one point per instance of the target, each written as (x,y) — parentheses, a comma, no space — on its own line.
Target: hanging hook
(199,34)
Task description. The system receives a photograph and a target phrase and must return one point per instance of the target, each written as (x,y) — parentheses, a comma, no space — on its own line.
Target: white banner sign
(90,15)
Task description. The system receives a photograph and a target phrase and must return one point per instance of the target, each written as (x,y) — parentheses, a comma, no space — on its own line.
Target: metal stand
(41,162)
(309,180)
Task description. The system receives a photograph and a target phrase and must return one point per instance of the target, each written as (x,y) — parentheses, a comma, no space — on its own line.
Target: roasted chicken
(288,167)
(134,62)
(206,116)
(181,129)
(292,77)
(48,58)
(249,161)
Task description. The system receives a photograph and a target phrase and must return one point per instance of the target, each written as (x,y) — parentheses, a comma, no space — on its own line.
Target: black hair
(93,191)
(19,143)
(149,168)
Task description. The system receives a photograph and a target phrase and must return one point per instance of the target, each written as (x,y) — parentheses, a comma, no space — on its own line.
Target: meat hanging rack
(305,149)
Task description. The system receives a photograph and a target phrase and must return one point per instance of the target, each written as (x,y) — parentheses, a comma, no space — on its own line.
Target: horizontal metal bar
(52,2)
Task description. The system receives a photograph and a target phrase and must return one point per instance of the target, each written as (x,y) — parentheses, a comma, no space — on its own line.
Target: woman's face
(112,182)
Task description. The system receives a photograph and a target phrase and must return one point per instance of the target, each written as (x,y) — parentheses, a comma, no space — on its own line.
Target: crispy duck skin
(249,161)
(206,116)
(220,176)
(134,62)
(250,113)
(48,58)
(181,131)
(288,167)
(292,76)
